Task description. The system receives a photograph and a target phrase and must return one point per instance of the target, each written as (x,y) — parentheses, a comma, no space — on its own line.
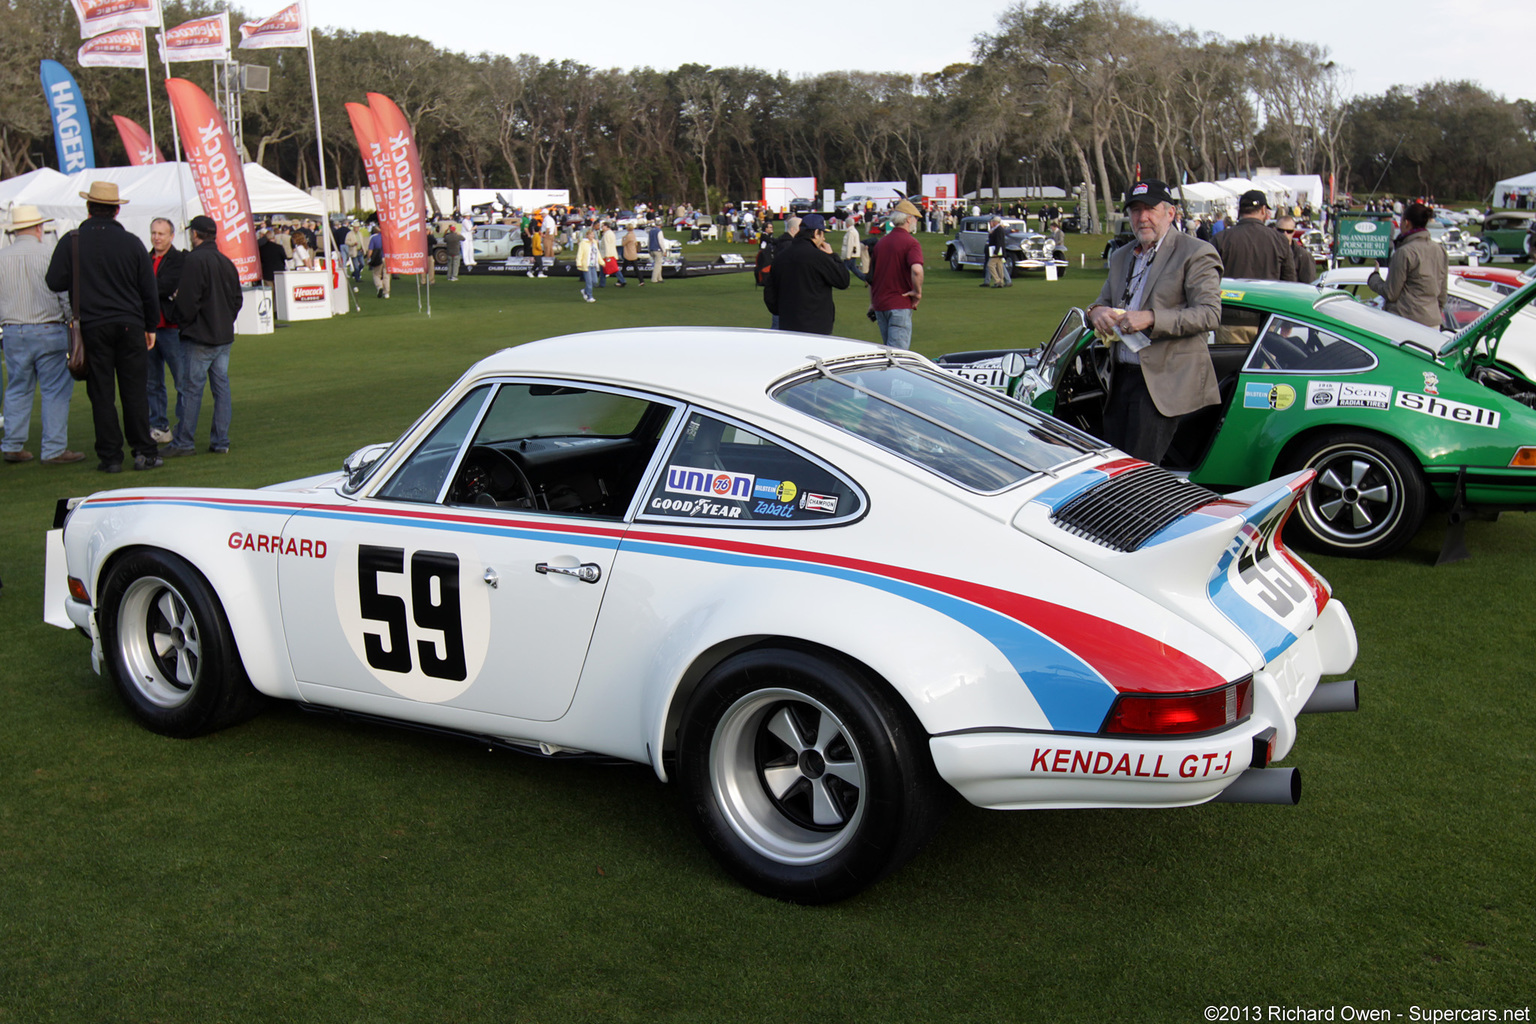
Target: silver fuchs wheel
(805,778)
(1368,498)
(168,645)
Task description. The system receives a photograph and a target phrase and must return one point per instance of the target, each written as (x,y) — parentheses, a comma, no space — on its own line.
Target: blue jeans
(205,364)
(166,353)
(589,280)
(853,268)
(35,356)
(895,327)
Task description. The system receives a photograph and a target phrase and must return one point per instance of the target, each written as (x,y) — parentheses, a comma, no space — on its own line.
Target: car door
(973,241)
(471,577)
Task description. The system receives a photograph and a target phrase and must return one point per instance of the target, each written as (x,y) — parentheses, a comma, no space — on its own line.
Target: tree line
(1054,95)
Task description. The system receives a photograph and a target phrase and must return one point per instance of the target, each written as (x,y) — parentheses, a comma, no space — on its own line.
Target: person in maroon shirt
(896,278)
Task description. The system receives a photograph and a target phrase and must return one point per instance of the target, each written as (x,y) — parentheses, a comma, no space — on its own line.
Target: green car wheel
(1369,496)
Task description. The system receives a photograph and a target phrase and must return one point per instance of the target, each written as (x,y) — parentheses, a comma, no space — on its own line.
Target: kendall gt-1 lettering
(408,619)
(1329,394)
(696,507)
(712,483)
(1072,761)
(276,545)
(1445,409)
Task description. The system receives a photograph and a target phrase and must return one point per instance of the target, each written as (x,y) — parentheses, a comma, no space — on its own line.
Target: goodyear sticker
(1233,295)
(1268,396)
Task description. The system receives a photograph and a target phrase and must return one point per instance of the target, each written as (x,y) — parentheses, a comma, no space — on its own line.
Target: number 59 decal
(411,623)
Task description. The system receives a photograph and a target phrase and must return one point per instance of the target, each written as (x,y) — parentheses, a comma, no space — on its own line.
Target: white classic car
(822,585)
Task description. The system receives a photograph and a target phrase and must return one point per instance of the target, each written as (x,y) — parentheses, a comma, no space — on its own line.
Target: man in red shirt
(896,278)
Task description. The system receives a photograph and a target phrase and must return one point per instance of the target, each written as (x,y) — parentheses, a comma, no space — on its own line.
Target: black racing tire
(1369,496)
(803,777)
(169,648)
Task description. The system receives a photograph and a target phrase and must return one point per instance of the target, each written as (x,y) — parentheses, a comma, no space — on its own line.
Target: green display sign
(1364,237)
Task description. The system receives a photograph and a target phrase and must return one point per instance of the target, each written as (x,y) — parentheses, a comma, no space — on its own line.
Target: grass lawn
(300,868)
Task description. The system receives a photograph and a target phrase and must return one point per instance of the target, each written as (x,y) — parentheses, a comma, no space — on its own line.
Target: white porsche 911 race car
(820,584)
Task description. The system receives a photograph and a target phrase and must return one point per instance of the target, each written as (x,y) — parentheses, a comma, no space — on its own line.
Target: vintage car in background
(1023,248)
(1315,241)
(1459,247)
(1506,233)
(1122,236)
(1390,414)
(851,204)
(621,545)
(1504,280)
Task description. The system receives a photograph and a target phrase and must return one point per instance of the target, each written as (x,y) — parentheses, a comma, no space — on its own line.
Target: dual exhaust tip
(1283,785)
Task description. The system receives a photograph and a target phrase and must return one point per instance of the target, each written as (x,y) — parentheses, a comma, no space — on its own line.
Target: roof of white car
(733,364)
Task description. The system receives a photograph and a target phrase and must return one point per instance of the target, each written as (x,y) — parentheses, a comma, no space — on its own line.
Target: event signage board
(365,127)
(71,126)
(198,39)
(407,220)
(941,187)
(1363,237)
(218,173)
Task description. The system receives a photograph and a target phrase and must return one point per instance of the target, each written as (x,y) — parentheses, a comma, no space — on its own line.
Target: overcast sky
(1411,42)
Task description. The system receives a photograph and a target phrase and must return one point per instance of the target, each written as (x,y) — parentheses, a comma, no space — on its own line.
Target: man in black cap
(798,286)
(1250,248)
(206,306)
(1162,297)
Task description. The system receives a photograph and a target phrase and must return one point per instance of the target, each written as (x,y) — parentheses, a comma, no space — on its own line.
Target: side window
(1461,310)
(1238,326)
(719,473)
(421,477)
(1288,345)
(560,448)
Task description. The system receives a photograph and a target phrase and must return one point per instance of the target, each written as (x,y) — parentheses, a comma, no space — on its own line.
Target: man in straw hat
(119,310)
(36,344)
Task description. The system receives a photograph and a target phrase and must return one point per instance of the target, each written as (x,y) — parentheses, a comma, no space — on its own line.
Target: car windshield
(957,431)
(1379,323)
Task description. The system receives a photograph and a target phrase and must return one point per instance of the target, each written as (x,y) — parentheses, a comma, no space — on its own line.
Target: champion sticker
(819,502)
(711,483)
(1330,394)
(1268,396)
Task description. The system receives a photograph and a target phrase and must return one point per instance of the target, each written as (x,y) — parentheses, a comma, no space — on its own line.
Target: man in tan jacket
(1416,283)
(1162,297)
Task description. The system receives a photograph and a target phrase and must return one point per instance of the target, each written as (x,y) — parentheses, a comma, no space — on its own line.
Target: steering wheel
(493,477)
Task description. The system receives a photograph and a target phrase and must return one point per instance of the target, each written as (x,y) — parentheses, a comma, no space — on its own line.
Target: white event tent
(1203,198)
(1520,185)
(153,191)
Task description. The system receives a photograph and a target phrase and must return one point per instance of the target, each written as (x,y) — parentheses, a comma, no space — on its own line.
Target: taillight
(78,592)
(1174,714)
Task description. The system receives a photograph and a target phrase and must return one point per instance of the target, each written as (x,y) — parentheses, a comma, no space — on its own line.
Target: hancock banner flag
(136,141)
(71,127)
(285,28)
(366,128)
(409,191)
(198,39)
(98,16)
(219,174)
(121,49)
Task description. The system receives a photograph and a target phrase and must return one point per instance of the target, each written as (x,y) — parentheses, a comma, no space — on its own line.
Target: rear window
(1379,322)
(958,432)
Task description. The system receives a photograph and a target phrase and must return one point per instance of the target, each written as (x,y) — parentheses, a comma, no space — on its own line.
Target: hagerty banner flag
(219,174)
(71,126)
(198,39)
(400,171)
(285,28)
(136,141)
(123,48)
(98,16)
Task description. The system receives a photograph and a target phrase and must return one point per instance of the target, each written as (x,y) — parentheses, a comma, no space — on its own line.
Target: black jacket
(1250,248)
(209,297)
(273,259)
(168,278)
(799,286)
(117,279)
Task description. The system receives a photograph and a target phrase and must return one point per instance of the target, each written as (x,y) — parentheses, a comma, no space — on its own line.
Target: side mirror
(356,465)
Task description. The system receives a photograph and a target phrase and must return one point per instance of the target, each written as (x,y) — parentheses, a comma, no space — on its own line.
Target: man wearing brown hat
(113,284)
(1161,299)
(1250,248)
(896,278)
(36,344)
(206,305)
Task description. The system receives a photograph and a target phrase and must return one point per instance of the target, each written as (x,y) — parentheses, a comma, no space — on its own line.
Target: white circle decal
(418,620)
(1365,227)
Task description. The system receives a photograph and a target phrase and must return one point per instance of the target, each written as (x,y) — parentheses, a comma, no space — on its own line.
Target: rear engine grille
(1123,511)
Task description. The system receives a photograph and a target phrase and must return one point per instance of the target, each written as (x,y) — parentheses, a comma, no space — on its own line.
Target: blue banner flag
(71,128)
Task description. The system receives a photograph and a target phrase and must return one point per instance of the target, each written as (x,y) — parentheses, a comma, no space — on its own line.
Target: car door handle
(587,572)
